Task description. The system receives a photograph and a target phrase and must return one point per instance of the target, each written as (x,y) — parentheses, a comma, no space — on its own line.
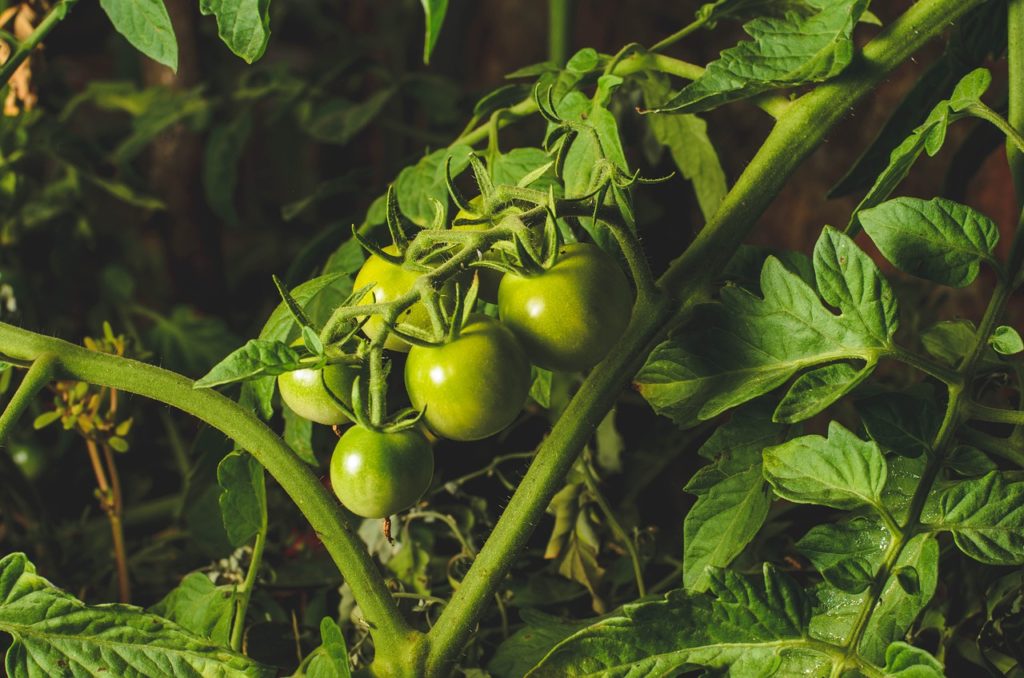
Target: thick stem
(25,48)
(389,629)
(1015,59)
(559,30)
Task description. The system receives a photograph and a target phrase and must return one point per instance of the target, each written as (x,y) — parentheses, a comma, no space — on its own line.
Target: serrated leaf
(434,20)
(744,625)
(986,518)
(243,25)
(938,239)
(147,26)
(1006,340)
(200,606)
(686,138)
(900,422)
(53,631)
(417,186)
(815,390)
(841,471)
(846,554)
(258,358)
(243,497)
(795,49)
(746,346)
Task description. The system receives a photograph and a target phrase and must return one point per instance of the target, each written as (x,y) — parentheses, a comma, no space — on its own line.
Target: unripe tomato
(569,316)
(391,281)
(471,387)
(376,475)
(306,394)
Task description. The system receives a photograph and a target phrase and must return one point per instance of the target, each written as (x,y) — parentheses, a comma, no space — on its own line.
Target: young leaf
(53,631)
(1006,340)
(147,26)
(687,141)
(986,517)
(743,625)
(732,496)
(435,11)
(257,358)
(243,497)
(938,239)
(841,471)
(200,606)
(847,554)
(243,25)
(794,49)
(748,346)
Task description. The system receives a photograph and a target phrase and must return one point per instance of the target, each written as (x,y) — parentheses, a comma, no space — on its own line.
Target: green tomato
(471,387)
(308,392)
(390,282)
(569,316)
(376,475)
(29,458)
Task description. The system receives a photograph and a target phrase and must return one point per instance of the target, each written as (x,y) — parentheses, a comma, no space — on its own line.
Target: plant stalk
(55,16)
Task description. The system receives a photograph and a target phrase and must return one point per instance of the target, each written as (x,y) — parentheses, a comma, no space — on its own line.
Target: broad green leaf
(949,340)
(841,471)
(417,186)
(526,647)
(732,496)
(330,660)
(816,389)
(794,49)
(927,137)
(1006,340)
(221,160)
(743,625)
(906,661)
(986,517)
(147,26)
(200,606)
(258,358)
(746,346)
(243,25)
(900,422)
(937,239)
(435,11)
(54,632)
(243,497)
(847,554)
(188,342)
(740,10)
(686,138)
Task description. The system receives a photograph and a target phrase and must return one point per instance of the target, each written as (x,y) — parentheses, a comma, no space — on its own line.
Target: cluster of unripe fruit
(565,318)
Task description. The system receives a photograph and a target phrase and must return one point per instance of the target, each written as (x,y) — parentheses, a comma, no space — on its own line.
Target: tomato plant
(643,376)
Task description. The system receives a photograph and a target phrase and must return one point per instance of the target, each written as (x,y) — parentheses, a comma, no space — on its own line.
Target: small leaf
(1006,340)
(243,497)
(147,26)
(243,25)
(45,419)
(200,606)
(435,11)
(257,358)
(906,661)
(841,471)
(986,517)
(938,239)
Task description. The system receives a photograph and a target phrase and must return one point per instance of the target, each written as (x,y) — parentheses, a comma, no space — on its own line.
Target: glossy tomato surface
(569,316)
(306,393)
(472,387)
(376,475)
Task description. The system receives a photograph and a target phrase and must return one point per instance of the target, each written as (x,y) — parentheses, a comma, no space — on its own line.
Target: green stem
(678,35)
(798,131)
(244,592)
(559,30)
(1015,59)
(25,48)
(1004,448)
(390,631)
(1013,138)
(38,376)
(996,415)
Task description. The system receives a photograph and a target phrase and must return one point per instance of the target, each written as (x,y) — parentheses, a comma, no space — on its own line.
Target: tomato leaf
(794,49)
(419,185)
(434,11)
(847,554)
(1006,340)
(938,239)
(900,422)
(243,497)
(527,646)
(258,358)
(816,389)
(52,631)
(330,660)
(243,25)
(147,26)
(200,606)
(986,518)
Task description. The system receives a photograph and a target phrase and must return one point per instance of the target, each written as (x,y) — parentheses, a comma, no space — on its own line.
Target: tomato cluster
(565,317)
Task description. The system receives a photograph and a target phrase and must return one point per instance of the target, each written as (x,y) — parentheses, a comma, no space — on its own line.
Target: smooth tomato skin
(376,475)
(569,316)
(390,282)
(472,387)
(305,394)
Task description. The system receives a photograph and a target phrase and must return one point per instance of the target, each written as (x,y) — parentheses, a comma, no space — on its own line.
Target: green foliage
(146,25)
(243,25)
